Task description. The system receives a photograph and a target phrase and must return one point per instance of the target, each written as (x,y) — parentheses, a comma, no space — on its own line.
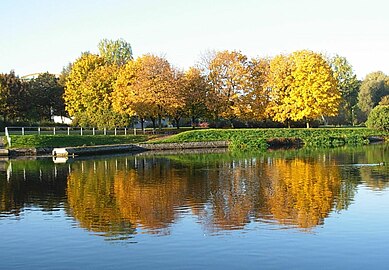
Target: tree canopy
(302,87)
(373,88)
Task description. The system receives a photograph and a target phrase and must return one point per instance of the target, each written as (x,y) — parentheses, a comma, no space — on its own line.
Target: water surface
(301,209)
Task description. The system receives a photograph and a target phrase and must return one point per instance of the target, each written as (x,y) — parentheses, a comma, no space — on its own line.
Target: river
(294,209)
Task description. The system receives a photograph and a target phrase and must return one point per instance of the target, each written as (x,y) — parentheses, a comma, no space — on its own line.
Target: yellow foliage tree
(146,87)
(81,68)
(228,76)
(195,91)
(302,87)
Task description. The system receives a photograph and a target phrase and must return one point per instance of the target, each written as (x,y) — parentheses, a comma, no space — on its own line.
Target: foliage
(384,100)
(258,138)
(74,96)
(45,93)
(116,52)
(348,87)
(302,86)
(25,141)
(194,90)
(146,87)
(374,87)
(14,101)
(88,93)
(228,76)
(379,118)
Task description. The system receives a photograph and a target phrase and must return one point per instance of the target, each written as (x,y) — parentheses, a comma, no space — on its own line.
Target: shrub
(379,118)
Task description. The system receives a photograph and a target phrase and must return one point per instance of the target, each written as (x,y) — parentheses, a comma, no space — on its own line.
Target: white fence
(70,131)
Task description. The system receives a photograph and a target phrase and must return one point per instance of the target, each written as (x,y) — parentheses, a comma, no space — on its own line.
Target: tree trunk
(177,119)
(142,124)
(307,124)
(193,119)
(153,120)
(159,122)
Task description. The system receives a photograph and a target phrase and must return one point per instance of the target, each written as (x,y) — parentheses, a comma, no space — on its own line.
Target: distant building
(61,120)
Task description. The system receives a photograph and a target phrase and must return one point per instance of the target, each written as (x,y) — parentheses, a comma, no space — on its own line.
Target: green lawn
(260,138)
(41,141)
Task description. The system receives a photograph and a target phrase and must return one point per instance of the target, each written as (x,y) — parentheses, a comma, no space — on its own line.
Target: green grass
(259,138)
(42,141)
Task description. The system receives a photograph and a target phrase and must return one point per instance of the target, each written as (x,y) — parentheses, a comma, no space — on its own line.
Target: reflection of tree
(224,192)
(149,194)
(303,192)
(92,201)
(36,183)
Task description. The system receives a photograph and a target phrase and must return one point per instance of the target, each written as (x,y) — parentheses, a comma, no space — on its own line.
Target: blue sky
(45,35)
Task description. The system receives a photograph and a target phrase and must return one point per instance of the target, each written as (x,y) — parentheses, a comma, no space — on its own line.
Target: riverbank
(243,139)
(235,139)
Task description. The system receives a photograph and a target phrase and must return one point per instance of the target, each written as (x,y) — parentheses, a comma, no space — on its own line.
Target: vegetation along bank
(238,139)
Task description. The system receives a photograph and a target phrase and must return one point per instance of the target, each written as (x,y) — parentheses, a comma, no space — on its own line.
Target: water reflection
(118,197)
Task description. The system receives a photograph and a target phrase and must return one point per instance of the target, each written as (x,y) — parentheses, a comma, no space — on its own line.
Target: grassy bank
(42,141)
(261,138)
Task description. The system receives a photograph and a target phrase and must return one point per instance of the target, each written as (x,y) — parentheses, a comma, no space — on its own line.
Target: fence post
(39,130)
(134,130)
(115,131)
(8,137)
(22,130)
(54,131)
(68,130)
(81,131)
(93,131)
(105,131)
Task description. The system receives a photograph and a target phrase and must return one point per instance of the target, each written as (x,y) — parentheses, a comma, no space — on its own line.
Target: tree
(14,102)
(373,88)
(379,118)
(348,87)
(257,96)
(81,68)
(302,87)
(228,77)
(89,86)
(117,52)
(195,90)
(146,87)
(46,96)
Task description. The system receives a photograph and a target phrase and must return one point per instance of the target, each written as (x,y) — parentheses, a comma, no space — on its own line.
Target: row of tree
(111,88)
(33,100)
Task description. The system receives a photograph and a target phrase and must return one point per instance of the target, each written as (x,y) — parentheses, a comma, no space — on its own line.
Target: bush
(379,118)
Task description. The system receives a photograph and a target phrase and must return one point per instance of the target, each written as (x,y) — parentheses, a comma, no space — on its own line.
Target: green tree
(348,87)
(46,96)
(14,102)
(379,117)
(373,88)
(116,52)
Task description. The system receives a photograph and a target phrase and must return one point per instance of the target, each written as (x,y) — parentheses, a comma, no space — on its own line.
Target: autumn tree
(302,87)
(348,86)
(146,88)
(195,90)
(373,88)
(89,86)
(228,77)
(257,97)
(117,52)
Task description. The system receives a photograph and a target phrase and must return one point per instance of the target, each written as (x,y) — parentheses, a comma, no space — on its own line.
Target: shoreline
(273,144)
